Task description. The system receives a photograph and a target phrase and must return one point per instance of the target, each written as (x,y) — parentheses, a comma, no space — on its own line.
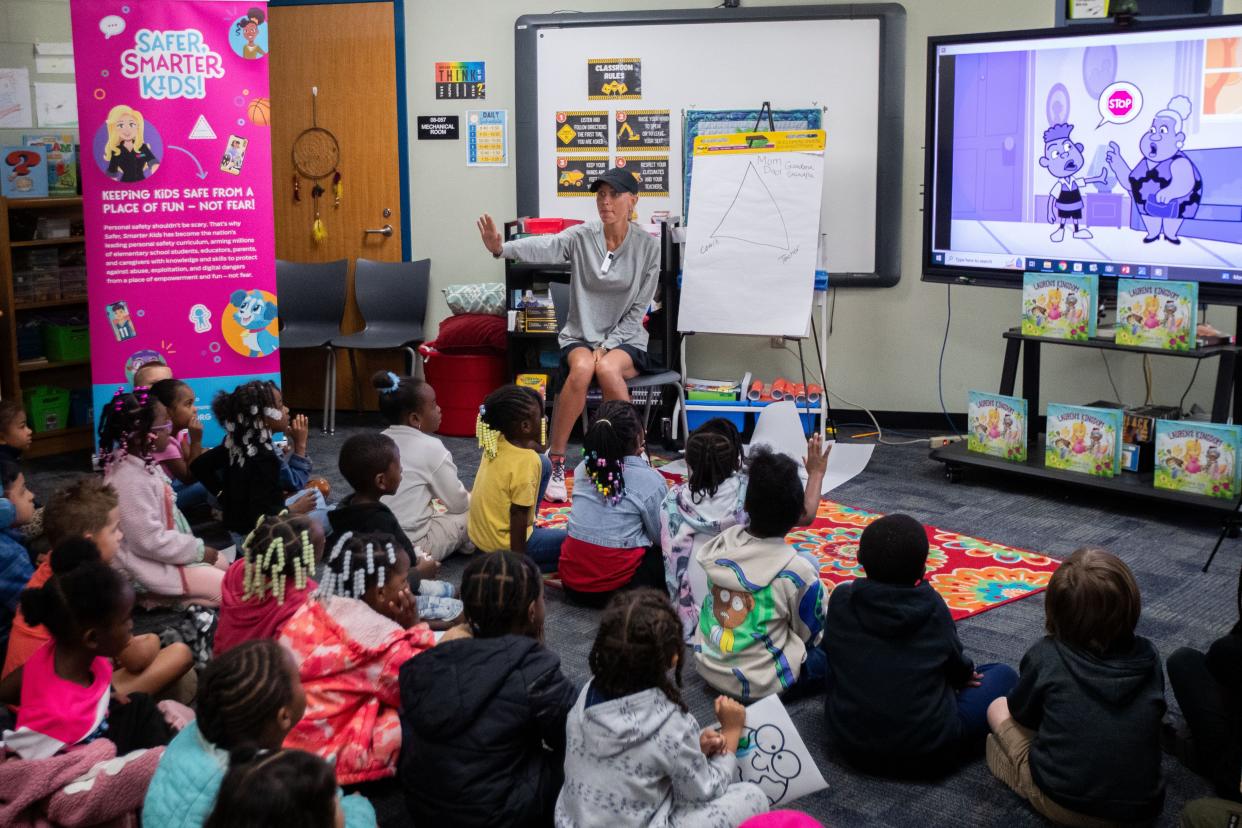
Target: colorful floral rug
(971,574)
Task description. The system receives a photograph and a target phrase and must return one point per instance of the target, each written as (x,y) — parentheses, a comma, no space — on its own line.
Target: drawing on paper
(753,216)
(771,766)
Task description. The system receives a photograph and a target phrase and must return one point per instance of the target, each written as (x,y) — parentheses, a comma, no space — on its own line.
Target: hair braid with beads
(713,455)
(241,692)
(497,590)
(639,633)
(616,433)
(277,549)
(244,414)
(125,426)
(502,412)
(357,563)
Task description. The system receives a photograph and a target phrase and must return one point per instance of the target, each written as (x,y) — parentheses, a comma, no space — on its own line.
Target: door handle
(386,230)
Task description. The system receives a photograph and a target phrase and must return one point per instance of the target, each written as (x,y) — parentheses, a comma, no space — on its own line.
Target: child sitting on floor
(512,478)
(15,432)
(371,464)
(349,642)
(63,692)
(614,524)
(428,471)
(277,789)
(903,699)
(250,697)
(484,712)
(1079,736)
(270,581)
(16,509)
(158,552)
(764,612)
(712,499)
(249,476)
(186,443)
(634,754)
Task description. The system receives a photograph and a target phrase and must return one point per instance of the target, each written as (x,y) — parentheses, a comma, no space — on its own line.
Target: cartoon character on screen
(772,767)
(1063,158)
(122,324)
(248,27)
(255,313)
(128,156)
(1166,184)
(1193,449)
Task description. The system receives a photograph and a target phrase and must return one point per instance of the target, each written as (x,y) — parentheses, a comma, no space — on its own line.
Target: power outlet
(776,341)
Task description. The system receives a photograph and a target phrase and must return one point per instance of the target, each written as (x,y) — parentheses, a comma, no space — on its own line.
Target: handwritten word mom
(172,64)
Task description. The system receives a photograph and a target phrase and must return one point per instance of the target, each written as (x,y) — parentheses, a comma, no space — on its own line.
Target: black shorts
(639,358)
(1069,215)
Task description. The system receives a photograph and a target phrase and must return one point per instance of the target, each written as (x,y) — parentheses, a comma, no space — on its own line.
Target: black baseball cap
(619,179)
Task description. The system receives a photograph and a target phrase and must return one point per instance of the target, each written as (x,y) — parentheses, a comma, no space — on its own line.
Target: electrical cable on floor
(948,319)
(1109,371)
(1181,404)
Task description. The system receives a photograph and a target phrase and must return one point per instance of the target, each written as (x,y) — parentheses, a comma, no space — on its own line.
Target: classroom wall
(885,343)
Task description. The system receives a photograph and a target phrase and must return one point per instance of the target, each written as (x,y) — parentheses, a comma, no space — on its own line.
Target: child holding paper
(634,754)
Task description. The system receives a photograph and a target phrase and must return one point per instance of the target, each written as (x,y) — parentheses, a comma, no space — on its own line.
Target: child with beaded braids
(712,499)
(158,552)
(250,477)
(634,754)
(614,524)
(249,699)
(512,478)
(350,640)
(270,581)
(484,712)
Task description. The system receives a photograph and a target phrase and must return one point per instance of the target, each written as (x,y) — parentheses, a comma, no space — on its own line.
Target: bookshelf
(58,293)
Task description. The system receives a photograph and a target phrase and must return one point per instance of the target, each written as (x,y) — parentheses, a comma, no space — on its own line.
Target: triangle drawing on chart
(753,216)
(202,130)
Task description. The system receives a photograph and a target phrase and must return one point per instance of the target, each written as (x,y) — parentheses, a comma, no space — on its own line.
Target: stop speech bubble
(1119,103)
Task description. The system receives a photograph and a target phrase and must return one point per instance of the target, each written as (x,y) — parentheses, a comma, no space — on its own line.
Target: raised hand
(489,234)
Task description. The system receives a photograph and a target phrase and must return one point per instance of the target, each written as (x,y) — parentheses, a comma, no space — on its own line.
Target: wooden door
(347,51)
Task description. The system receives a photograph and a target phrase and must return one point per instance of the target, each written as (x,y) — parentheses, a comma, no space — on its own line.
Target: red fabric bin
(461,383)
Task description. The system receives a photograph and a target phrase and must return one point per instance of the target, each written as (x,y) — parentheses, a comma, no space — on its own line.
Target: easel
(820,295)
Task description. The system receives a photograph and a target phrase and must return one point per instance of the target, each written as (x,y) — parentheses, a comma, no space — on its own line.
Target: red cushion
(472,333)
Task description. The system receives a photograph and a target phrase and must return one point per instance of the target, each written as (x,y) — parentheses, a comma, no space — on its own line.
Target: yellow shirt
(512,479)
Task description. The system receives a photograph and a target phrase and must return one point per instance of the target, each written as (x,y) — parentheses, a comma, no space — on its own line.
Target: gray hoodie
(636,761)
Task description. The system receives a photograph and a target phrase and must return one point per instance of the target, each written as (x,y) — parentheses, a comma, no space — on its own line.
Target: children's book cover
(1084,439)
(997,425)
(62,168)
(1198,457)
(1157,314)
(23,173)
(1059,306)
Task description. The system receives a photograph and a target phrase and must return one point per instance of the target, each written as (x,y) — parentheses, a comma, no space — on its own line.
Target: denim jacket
(633,522)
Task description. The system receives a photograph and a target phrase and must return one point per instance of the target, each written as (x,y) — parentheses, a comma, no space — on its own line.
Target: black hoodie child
(483,732)
(1096,719)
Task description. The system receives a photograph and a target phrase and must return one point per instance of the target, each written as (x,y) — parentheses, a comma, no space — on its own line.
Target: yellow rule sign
(737,143)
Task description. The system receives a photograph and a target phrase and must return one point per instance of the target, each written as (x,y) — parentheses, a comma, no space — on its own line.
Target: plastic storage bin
(461,383)
(47,407)
(700,411)
(67,342)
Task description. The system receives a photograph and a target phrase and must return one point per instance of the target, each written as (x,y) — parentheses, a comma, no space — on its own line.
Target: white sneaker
(1058,234)
(556,491)
(1083,234)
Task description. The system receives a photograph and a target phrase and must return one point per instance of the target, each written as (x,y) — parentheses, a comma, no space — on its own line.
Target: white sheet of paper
(846,462)
(64,47)
(57,104)
(752,248)
(54,65)
(780,428)
(15,109)
(774,757)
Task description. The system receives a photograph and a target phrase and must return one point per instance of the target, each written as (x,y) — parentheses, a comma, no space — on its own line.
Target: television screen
(1100,150)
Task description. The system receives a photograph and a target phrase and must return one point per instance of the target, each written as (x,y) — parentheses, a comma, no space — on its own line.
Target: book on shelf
(1060,306)
(1156,314)
(23,172)
(1084,439)
(1201,458)
(998,425)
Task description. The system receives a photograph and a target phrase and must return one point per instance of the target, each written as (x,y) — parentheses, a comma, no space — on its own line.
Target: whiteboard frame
(890,150)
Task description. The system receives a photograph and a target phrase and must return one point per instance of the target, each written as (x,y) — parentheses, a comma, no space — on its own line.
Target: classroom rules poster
(174,112)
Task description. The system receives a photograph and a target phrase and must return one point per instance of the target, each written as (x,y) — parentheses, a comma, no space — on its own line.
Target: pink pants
(202,583)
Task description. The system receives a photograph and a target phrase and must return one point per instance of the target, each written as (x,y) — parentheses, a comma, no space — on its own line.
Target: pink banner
(173,107)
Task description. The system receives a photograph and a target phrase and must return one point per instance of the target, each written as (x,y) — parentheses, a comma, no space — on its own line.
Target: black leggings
(136,724)
(650,573)
(1214,720)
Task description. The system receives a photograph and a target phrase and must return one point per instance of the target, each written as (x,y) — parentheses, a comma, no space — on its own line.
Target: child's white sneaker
(556,491)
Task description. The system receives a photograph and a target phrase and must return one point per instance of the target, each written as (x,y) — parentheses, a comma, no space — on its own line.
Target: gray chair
(392,297)
(311,300)
(653,378)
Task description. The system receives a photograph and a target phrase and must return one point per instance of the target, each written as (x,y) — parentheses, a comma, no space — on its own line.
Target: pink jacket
(157,537)
(350,656)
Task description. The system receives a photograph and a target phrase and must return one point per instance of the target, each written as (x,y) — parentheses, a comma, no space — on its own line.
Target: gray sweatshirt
(605,309)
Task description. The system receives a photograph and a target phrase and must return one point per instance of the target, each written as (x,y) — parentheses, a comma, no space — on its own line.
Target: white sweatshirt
(427,471)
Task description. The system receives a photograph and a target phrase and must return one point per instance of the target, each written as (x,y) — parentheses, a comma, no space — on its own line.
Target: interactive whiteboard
(596,89)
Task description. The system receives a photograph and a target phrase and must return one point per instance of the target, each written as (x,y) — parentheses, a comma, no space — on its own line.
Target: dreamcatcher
(316,155)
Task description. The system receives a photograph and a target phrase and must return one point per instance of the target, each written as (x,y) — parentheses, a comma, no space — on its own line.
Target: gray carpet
(1182,606)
